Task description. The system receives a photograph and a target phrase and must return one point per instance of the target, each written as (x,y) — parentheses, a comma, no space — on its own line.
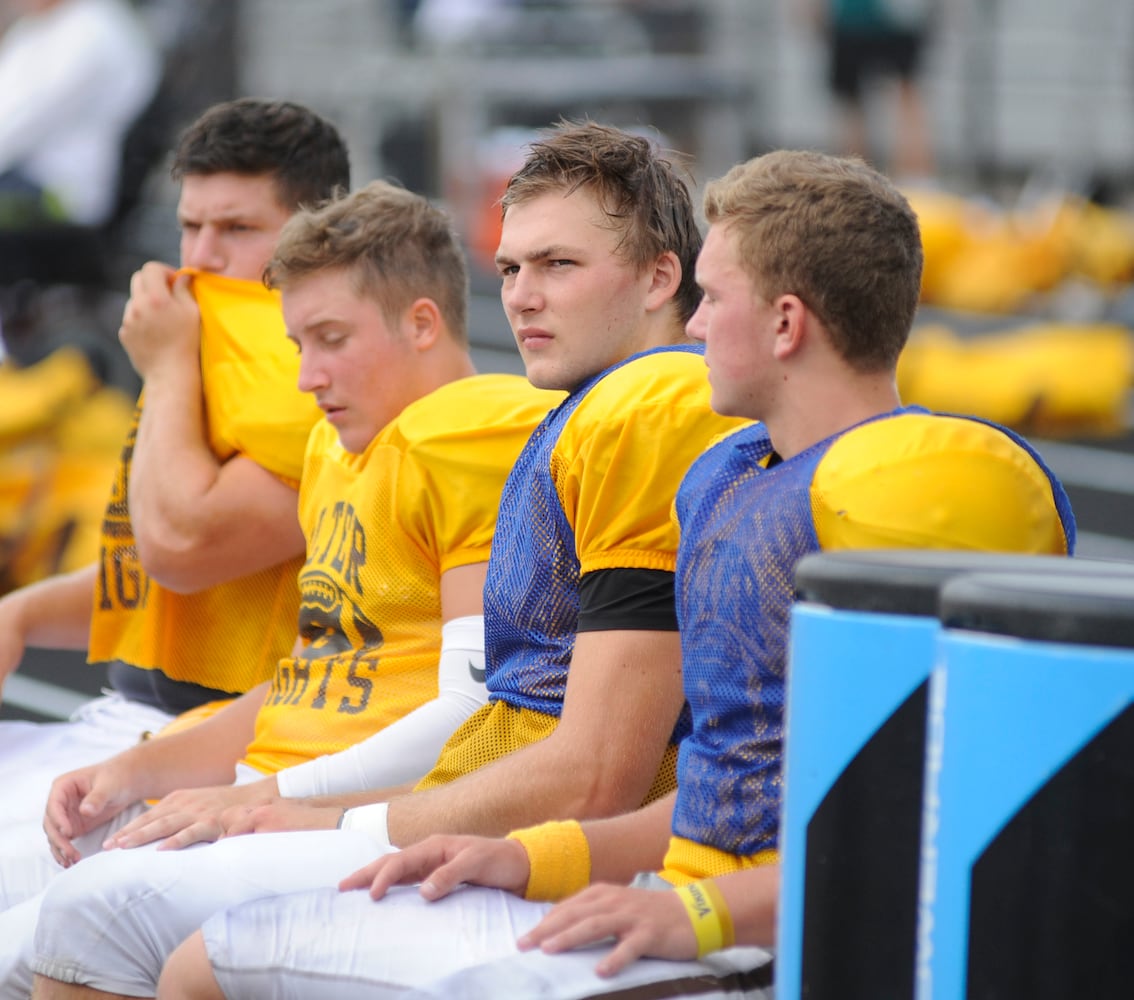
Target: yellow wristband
(559,857)
(712,923)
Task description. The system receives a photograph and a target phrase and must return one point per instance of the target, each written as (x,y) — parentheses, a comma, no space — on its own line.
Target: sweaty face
(736,323)
(229,223)
(361,371)
(574,306)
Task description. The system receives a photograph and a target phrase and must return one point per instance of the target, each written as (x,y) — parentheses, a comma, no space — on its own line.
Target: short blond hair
(834,232)
(634,183)
(394,243)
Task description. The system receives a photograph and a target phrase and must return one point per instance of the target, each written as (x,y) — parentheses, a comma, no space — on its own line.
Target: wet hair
(303,153)
(396,246)
(636,186)
(834,232)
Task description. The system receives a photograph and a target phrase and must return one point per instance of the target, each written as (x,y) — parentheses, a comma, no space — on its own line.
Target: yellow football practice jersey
(382,527)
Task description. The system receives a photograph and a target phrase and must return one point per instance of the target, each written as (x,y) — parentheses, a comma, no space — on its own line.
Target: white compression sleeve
(408,748)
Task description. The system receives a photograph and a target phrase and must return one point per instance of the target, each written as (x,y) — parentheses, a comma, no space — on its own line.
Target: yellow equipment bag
(1050,379)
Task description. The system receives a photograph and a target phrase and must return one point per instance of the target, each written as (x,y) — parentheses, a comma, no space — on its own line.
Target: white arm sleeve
(408,748)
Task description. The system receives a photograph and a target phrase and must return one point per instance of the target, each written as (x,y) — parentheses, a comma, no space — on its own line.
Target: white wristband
(370,820)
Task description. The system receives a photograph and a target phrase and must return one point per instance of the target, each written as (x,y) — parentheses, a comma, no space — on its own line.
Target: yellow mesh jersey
(382,527)
(228,637)
(490,732)
(593,490)
(687,861)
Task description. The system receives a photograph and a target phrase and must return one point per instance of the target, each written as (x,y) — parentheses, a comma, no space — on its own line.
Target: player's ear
(665,279)
(790,322)
(422,323)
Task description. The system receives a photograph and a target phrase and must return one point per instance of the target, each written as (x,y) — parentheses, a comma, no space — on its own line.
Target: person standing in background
(74,75)
(870,40)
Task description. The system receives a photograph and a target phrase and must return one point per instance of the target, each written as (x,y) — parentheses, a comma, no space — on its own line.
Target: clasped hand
(161,323)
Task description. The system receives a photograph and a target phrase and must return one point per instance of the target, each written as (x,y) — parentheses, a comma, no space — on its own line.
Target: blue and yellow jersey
(910,479)
(382,527)
(593,490)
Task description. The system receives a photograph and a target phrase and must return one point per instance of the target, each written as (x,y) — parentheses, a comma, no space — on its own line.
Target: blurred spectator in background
(74,75)
(870,40)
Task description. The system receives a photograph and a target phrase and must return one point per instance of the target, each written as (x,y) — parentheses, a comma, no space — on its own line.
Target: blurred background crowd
(1009,123)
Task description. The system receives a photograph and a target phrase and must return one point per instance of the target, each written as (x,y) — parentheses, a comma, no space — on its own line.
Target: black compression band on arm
(627,599)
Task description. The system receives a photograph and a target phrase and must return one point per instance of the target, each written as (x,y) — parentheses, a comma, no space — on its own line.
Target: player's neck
(450,365)
(828,407)
(658,328)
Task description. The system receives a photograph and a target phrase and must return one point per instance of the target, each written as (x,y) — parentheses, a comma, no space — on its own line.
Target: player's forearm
(164,764)
(752,898)
(54,613)
(173,469)
(622,846)
(212,522)
(369,797)
(532,785)
(204,754)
